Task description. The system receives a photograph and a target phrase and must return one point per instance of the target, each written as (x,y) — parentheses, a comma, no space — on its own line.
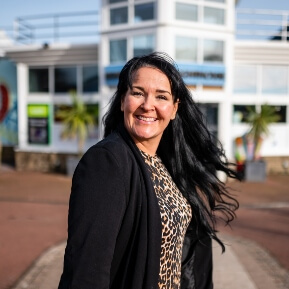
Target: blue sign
(202,74)
(193,74)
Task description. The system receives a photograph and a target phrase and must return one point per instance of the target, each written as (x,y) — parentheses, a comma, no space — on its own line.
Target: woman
(144,200)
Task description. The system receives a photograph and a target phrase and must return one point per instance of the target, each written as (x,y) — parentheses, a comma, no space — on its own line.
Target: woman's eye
(162,97)
(137,93)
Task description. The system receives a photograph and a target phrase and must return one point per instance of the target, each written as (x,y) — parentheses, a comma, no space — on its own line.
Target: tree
(259,126)
(77,121)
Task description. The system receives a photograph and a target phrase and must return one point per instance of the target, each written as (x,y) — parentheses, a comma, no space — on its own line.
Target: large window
(214,15)
(245,79)
(241,113)
(199,12)
(38,80)
(274,79)
(264,79)
(126,13)
(186,48)
(144,12)
(210,111)
(118,51)
(188,12)
(90,78)
(65,79)
(281,111)
(213,51)
(119,16)
(143,44)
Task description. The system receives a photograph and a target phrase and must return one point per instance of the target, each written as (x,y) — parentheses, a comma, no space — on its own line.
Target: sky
(11,9)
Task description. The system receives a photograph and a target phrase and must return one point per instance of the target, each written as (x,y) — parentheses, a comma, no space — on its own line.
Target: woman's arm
(96,208)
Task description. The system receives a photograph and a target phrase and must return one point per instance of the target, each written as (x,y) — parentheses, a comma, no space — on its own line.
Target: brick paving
(33,215)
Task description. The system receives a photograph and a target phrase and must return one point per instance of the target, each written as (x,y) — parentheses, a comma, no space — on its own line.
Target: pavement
(34,207)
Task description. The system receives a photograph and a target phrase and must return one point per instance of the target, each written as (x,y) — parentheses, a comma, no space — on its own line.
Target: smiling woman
(144,200)
(148,108)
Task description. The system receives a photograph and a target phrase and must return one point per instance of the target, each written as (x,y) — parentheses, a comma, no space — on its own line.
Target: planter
(71,164)
(255,171)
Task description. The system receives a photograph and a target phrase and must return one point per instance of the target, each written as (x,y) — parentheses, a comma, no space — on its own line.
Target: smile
(148,119)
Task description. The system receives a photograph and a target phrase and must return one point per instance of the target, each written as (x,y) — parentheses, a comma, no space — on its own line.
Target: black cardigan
(114,225)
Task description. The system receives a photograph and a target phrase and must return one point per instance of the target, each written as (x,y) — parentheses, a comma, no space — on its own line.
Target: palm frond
(77,120)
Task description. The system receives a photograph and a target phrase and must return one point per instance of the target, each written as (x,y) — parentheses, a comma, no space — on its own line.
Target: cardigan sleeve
(96,208)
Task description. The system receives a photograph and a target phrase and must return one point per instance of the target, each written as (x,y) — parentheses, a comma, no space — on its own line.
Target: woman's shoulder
(113,145)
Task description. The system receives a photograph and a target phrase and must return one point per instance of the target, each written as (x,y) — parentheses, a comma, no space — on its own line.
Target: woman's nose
(148,103)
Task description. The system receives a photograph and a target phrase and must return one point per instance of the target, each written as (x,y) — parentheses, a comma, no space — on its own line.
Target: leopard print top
(176,215)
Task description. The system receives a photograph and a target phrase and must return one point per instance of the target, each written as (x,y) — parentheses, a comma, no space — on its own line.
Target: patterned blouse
(176,215)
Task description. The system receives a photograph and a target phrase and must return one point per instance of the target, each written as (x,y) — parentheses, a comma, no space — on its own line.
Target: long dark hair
(187,148)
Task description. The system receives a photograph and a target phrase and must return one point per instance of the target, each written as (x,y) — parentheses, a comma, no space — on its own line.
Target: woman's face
(148,108)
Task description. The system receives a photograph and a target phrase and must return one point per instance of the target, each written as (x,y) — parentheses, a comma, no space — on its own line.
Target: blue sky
(11,9)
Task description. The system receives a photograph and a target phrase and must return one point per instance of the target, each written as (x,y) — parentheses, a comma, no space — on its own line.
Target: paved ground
(33,214)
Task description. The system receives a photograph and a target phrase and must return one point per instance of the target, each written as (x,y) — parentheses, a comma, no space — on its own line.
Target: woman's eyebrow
(158,90)
(138,87)
(163,91)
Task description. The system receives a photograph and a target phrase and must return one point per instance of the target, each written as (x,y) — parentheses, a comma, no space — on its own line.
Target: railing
(50,28)
(262,25)
(84,27)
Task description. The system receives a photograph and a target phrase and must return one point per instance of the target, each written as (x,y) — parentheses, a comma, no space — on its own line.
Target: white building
(225,74)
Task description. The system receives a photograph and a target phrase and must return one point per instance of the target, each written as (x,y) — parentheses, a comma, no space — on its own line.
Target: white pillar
(22,85)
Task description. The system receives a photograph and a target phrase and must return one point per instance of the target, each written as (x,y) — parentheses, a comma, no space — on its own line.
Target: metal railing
(51,28)
(262,24)
(84,27)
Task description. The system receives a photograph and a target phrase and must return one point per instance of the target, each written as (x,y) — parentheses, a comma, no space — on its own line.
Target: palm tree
(77,121)
(259,122)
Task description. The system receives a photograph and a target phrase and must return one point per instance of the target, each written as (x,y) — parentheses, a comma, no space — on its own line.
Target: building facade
(224,74)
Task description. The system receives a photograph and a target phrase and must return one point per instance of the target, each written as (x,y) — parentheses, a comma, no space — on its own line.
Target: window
(92,108)
(143,44)
(241,112)
(213,51)
(38,80)
(119,15)
(144,12)
(274,79)
(186,48)
(186,12)
(90,78)
(210,111)
(281,111)
(245,79)
(214,15)
(65,79)
(118,51)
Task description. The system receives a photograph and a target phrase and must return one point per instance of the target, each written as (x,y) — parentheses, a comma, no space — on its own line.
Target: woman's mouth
(147,119)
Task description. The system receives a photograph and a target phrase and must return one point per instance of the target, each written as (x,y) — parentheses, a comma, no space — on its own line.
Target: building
(225,73)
